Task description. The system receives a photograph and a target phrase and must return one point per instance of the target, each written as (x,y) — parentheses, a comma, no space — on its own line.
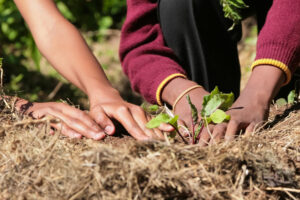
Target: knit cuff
(275,63)
(163,84)
(283,52)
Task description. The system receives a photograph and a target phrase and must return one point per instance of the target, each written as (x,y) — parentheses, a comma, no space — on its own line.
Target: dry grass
(36,165)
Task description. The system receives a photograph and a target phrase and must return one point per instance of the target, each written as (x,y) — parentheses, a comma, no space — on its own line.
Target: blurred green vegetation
(20,52)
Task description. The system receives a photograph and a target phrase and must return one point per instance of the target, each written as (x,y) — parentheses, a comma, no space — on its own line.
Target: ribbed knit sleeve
(279,40)
(145,59)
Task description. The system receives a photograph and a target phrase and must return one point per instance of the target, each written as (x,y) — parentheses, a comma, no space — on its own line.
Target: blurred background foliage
(22,60)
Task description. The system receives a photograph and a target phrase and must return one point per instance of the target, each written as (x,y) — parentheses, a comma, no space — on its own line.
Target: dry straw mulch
(36,165)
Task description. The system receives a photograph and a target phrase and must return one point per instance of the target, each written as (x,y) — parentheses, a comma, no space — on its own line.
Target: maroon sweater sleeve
(145,59)
(279,40)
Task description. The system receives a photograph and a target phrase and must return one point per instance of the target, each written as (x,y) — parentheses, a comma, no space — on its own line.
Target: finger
(81,116)
(99,115)
(183,128)
(141,119)
(206,135)
(159,134)
(218,133)
(123,115)
(166,127)
(65,130)
(250,128)
(232,129)
(37,114)
(76,124)
(51,131)
(159,131)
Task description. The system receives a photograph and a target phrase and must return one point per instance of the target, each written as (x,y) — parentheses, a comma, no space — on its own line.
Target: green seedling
(167,119)
(291,99)
(213,111)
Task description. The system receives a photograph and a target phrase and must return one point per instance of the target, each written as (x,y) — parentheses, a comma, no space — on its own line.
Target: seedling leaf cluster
(214,109)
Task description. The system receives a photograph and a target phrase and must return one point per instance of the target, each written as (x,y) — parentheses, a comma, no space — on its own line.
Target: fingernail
(98,136)
(108,129)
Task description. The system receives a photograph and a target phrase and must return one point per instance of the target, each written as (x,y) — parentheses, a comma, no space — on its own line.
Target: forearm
(68,53)
(63,46)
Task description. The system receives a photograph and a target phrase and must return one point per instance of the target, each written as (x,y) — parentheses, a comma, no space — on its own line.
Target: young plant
(291,99)
(213,111)
(167,119)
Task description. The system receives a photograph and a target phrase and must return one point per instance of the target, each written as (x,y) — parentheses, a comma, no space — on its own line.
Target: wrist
(104,95)
(264,83)
(176,87)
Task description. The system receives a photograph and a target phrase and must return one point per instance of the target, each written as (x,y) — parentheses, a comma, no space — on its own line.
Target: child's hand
(251,108)
(246,113)
(74,122)
(131,116)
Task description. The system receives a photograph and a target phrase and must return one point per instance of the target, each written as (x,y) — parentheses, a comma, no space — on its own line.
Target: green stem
(176,129)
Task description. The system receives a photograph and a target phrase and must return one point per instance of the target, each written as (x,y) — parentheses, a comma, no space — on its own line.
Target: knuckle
(96,109)
(134,128)
(73,121)
(234,122)
(100,118)
(48,110)
(82,115)
(122,109)
(137,109)
(220,128)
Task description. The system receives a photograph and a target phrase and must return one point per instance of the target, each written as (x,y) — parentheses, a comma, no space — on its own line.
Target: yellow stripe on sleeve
(163,84)
(275,63)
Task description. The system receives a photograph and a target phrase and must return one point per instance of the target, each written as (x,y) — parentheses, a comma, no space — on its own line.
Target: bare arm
(63,46)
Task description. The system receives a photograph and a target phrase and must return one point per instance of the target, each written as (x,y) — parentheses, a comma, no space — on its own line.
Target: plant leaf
(173,121)
(291,97)
(206,98)
(207,121)
(197,132)
(193,110)
(162,118)
(153,108)
(214,103)
(228,101)
(150,108)
(281,102)
(219,116)
(1,59)
(216,100)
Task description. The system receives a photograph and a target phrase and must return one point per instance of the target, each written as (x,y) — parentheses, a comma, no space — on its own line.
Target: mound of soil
(36,165)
